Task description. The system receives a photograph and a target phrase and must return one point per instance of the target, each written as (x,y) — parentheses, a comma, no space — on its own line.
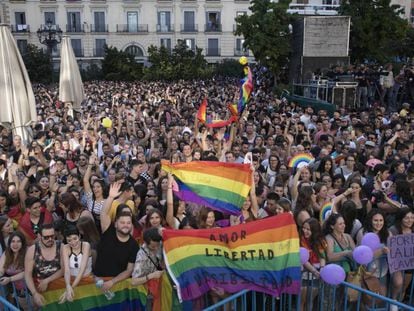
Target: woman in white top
(77,262)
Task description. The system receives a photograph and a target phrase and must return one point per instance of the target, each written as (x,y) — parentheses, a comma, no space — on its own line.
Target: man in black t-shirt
(116,251)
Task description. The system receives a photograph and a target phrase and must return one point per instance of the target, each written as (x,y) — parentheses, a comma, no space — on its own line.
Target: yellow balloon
(106,122)
(243,60)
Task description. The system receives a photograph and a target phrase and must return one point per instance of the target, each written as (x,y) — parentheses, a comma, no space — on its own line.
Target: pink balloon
(333,274)
(304,255)
(363,254)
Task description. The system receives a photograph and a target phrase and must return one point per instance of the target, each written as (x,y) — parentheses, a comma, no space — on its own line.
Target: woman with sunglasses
(29,186)
(77,262)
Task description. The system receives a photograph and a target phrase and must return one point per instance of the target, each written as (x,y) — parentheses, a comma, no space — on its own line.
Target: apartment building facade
(330,7)
(130,25)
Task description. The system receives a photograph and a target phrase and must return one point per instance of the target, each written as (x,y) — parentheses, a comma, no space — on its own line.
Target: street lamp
(50,35)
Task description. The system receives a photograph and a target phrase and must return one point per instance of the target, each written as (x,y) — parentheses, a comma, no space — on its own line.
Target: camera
(377,197)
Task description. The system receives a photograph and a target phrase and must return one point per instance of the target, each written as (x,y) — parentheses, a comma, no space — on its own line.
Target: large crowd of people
(82,190)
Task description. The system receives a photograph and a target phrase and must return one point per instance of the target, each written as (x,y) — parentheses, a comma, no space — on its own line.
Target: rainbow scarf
(89,297)
(261,255)
(218,185)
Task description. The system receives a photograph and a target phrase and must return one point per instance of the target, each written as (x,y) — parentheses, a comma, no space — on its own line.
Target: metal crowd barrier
(4,303)
(328,298)
(315,296)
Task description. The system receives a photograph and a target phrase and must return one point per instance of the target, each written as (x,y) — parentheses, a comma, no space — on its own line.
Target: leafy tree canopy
(120,65)
(38,64)
(267,32)
(374,25)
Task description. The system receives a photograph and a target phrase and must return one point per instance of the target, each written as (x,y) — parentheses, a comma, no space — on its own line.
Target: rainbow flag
(261,255)
(218,185)
(245,90)
(89,297)
(202,111)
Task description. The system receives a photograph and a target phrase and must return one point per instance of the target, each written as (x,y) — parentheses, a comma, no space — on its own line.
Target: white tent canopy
(18,107)
(70,81)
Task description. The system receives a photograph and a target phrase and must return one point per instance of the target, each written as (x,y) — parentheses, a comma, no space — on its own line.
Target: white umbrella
(18,108)
(70,81)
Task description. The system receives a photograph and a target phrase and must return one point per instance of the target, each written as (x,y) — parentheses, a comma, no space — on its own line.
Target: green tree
(267,34)
(120,66)
(373,24)
(404,48)
(181,63)
(92,72)
(229,68)
(161,64)
(38,64)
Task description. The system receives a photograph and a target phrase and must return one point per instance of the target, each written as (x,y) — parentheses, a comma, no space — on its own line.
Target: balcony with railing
(22,28)
(241,52)
(162,28)
(313,9)
(99,52)
(75,28)
(134,28)
(51,27)
(212,52)
(214,27)
(189,28)
(99,28)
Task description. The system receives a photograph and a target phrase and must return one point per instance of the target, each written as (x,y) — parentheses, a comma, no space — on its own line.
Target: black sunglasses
(76,262)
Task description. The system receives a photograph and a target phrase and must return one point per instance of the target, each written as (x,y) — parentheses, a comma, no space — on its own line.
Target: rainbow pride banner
(89,297)
(218,185)
(261,255)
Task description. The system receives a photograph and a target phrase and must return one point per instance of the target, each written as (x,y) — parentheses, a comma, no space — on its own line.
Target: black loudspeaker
(338,97)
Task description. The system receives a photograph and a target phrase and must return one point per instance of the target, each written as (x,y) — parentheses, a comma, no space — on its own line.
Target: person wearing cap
(368,152)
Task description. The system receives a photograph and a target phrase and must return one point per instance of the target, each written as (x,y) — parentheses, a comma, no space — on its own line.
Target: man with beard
(116,240)
(43,263)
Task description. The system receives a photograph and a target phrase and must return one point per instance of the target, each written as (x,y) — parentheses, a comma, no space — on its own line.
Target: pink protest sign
(401,255)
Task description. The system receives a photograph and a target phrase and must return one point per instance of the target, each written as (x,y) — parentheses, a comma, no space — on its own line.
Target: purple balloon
(371,240)
(333,274)
(363,254)
(304,255)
